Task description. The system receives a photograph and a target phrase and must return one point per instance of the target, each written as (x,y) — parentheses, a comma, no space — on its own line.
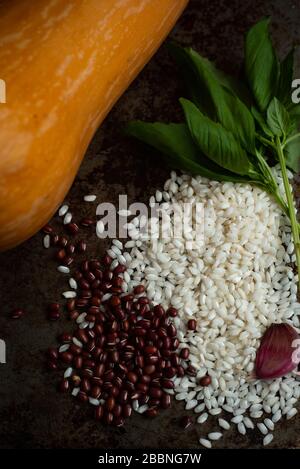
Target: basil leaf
(294,112)
(215,141)
(261,122)
(278,118)
(235,117)
(194,83)
(195,86)
(176,143)
(230,110)
(261,63)
(186,59)
(292,155)
(284,91)
(173,139)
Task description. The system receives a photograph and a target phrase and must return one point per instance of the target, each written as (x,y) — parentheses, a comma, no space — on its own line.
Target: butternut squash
(64,64)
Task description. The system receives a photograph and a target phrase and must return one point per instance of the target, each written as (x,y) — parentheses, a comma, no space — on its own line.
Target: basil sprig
(235,131)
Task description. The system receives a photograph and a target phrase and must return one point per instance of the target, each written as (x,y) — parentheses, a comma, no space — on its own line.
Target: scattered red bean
(72,228)
(115,301)
(81,246)
(66,357)
(62,241)
(159,311)
(47,229)
(110,403)
(71,304)
(87,222)
(65,338)
(54,311)
(192,324)
(128,352)
(108,418)
(70,249)
(67,261)
(139,289)
(186,422)
(52,365)
(53,315)
(151,412)
(172,312)
(99,411)
(205,381)
(191,371)
(127,410)
(54,239)
(52,352)
(119,421)
(64,385)
(185,353)
(165,401)
(82,396)
(107,260)
(54,307)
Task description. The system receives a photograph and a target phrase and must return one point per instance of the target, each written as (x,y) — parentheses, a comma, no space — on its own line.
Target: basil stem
(290,202)
(293,137)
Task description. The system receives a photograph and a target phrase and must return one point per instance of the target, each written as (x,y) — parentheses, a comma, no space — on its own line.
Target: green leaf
(292,155)
(173,139)
(284,91)
(215,142)
(186,59)
(278,118)
(261,63)
(294,112)
(232,113)
(176,143)
(235,117)
(261,122)
(194,83)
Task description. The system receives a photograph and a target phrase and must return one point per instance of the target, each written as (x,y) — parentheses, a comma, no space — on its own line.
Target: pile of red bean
(123,350)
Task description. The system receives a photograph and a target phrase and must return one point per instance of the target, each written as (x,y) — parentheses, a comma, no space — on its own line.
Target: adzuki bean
(127,349)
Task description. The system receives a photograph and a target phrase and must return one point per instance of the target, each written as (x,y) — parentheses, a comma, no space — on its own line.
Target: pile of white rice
(235,284)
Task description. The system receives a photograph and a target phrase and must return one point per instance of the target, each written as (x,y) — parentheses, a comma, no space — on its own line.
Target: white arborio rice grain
(46,241)
(235,280)
(76,341)
(64,348)
(267,439)
(224,424)
(214,436)
(204,442)
(63,210)
(67,218)
(99,228)
(93,401)
(291,413)
(90,198)
(241,428)
(63,269)
(262,428)
(269,424)
(202,418)
(69,294)
(73,283)
(142,408)
(68,372)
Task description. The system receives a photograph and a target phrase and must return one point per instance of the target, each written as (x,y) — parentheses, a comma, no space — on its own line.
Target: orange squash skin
(65,63)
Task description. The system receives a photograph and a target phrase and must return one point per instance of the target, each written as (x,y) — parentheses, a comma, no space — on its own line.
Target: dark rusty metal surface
(32,413)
